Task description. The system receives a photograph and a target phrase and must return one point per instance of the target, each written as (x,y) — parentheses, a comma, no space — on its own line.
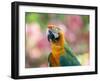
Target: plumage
(61,54)
(68,58)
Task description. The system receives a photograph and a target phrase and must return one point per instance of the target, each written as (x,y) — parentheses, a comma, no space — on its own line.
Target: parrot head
(53,33)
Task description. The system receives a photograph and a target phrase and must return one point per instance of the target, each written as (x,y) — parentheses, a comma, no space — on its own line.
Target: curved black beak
(50,35)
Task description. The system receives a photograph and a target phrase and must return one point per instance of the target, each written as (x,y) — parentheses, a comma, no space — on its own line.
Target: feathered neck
(58,47)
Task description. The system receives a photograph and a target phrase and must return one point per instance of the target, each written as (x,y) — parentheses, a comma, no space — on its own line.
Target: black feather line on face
(50,36)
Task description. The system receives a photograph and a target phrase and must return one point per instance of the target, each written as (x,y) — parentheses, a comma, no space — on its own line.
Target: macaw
(61,53)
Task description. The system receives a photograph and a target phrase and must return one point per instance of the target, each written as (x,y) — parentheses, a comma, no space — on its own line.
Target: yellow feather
(57,49)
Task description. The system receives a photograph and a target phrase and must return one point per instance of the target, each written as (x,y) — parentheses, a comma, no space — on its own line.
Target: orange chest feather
(57,49)
(56,52)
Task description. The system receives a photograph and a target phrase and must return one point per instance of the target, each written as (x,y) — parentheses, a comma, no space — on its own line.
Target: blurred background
(75,28)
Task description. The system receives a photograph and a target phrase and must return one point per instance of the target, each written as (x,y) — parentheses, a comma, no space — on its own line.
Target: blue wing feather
(68,59)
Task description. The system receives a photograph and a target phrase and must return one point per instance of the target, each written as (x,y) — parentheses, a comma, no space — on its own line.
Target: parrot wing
(68,59)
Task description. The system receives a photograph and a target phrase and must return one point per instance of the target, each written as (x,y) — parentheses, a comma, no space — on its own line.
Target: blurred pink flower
(70,36)
(44,44)
(74,22)
(36,42)
(33,35)
(33,32)
(34,53)
(44,65)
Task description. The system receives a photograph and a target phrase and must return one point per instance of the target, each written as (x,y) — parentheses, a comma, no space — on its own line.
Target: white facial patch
(56,35)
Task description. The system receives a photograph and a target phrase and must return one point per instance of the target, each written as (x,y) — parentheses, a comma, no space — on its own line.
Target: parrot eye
(57,29)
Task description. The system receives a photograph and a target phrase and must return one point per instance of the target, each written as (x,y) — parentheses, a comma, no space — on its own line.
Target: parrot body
(61,54)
